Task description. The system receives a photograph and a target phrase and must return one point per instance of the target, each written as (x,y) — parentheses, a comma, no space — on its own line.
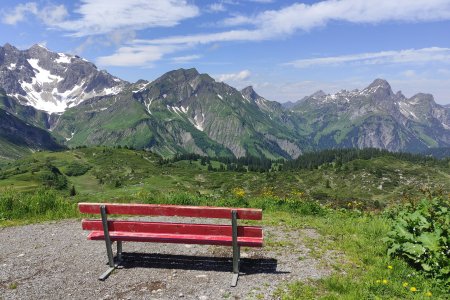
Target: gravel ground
(55,261)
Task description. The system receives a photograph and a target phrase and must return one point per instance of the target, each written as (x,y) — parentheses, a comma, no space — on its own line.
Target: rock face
(50,81)
(375,117)
(185,111)
(18,136)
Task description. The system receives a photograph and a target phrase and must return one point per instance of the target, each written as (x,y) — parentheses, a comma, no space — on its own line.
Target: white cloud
(19,13)
(412,56)
(143,56)
(261,1)
(49,14)
(104,16)
(184,59)
(409,73)
(120,36)
(275,24)
(301,16)
(53,14)
(216,7)
(233,77)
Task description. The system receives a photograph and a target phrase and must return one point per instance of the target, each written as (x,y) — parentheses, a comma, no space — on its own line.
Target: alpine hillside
(184,111)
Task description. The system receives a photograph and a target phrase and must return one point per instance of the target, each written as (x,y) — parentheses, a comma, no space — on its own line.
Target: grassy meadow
(354,205)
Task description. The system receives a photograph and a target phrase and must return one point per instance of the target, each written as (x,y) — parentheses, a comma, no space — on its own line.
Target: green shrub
(52,177)
(76,169)
(421,235)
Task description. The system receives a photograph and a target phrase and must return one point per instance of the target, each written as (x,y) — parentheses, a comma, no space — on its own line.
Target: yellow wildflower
(405,284)
(239,192)
(390,267)
(385,281)
(428,294)
(413,289)
(378,281)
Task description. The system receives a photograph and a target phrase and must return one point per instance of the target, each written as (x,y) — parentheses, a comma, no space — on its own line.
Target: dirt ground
(55,261)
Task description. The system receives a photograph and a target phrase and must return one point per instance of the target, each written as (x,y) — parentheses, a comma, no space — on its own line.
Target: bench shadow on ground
(199,263)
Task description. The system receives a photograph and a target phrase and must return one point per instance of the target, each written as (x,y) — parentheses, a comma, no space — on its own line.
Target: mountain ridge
(186,111)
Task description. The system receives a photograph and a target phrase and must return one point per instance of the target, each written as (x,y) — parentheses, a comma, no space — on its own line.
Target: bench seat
(113,230)
(176,238)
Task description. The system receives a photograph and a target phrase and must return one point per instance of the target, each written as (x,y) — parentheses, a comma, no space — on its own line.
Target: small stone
(244,255)
(188,246)
(180,295)
(203,297)
(20,255)
(159,290)
(201,276)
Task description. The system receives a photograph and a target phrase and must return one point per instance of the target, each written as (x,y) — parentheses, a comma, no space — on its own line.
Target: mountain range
(67,101)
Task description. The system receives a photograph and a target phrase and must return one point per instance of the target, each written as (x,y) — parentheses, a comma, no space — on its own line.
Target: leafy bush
(76,169)
(421,236)
(52,177)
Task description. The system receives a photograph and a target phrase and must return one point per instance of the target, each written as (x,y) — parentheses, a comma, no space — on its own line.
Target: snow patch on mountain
(63,59)
(199,122)
(140,87)
(147,105)
(42,76)
(405,109)
(52,81)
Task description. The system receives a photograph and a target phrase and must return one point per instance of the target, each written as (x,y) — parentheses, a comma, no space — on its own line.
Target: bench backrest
(171,228)
(171,210)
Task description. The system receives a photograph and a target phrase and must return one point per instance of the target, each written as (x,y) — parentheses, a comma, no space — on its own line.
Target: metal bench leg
(236,249)
(108,243)
(119,251)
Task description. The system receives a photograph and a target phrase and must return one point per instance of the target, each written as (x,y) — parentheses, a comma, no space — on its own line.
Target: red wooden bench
(164,232)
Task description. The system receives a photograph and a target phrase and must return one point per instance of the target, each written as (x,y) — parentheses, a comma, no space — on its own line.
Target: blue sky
(285,49)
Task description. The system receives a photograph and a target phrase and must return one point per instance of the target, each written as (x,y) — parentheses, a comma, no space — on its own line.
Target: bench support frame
(236,248)
(114,262)
(109,251)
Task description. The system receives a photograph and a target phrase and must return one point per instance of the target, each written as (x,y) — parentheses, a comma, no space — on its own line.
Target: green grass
(30,207)
(365,272)
(348,217)
(375,183)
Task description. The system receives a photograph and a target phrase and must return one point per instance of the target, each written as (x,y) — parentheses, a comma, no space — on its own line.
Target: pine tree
(73,192)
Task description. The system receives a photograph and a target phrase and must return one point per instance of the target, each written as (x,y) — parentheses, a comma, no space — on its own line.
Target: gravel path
(55,261)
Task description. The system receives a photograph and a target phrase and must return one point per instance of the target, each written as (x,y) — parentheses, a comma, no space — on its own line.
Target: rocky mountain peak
(52,81)
(378,82)
(8,47)
(318,94)
(249,93)
(180,75)
(380,86)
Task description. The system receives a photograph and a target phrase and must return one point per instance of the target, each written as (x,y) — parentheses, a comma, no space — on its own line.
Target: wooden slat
(176,238)
(171,210)
(171,228)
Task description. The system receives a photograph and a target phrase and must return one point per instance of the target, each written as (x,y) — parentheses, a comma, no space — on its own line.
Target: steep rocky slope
(374,117)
